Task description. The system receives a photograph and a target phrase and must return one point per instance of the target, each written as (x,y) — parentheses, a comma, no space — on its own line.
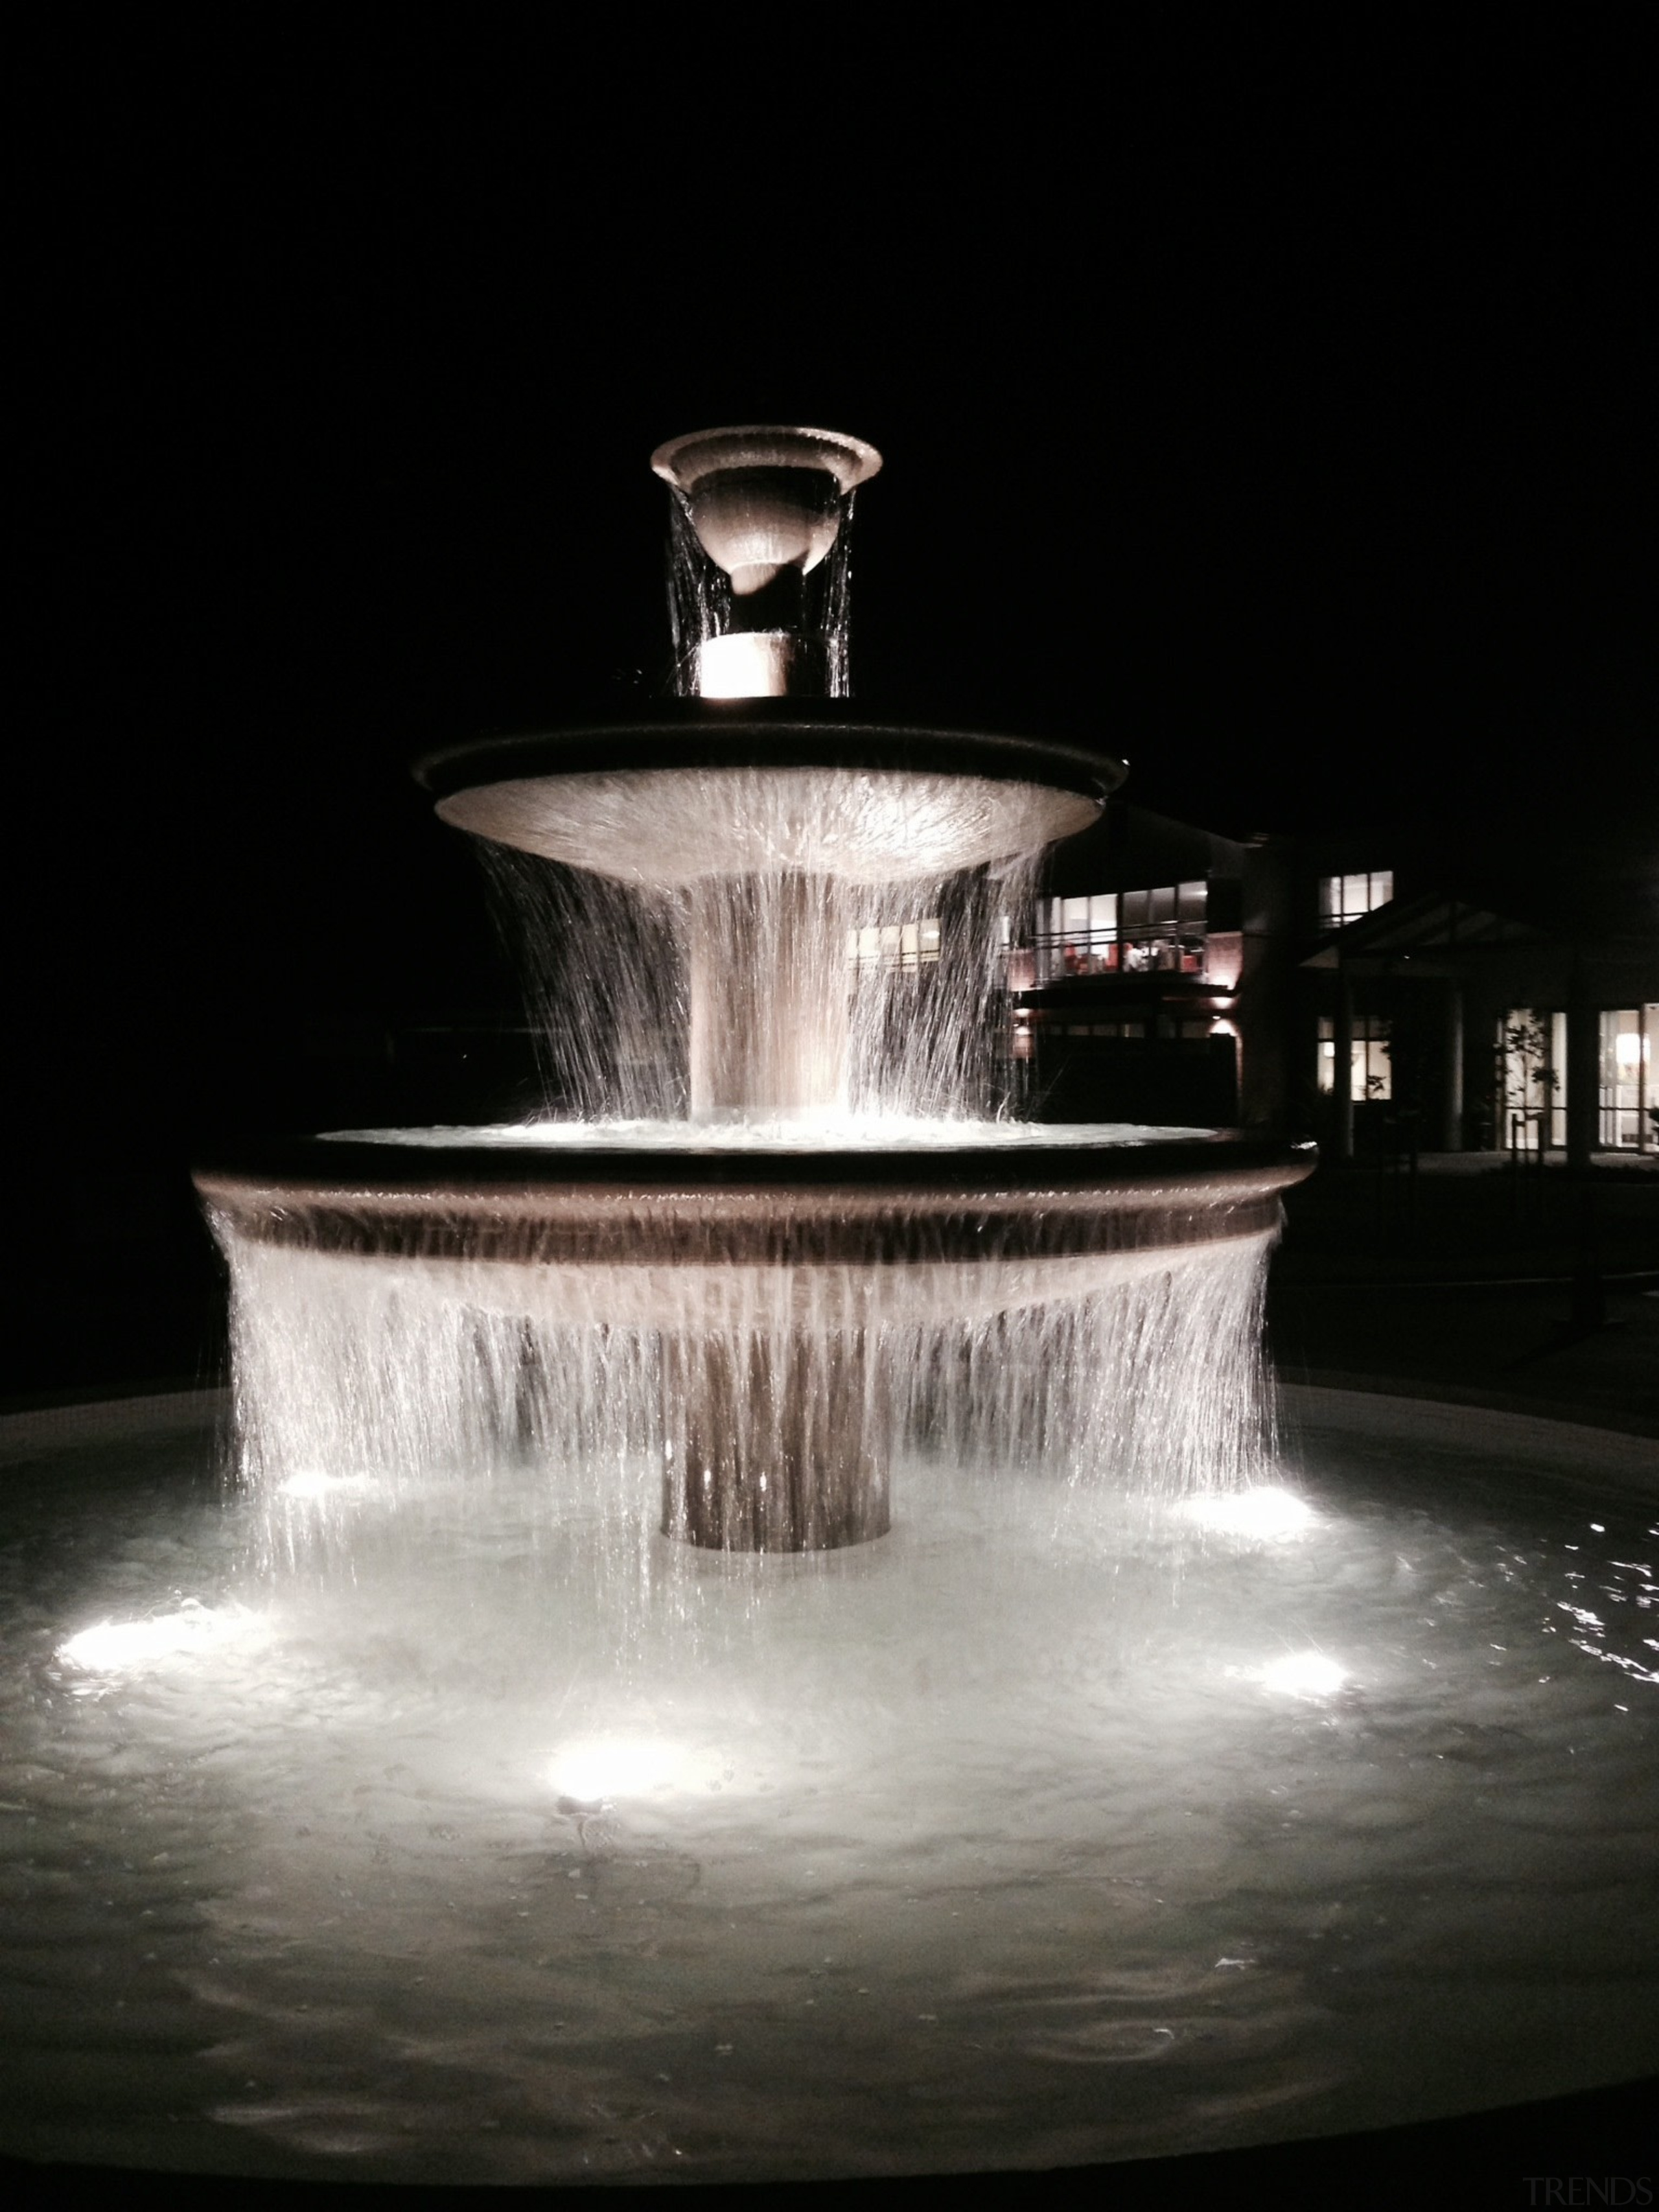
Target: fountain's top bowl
(684,462)
(763,497)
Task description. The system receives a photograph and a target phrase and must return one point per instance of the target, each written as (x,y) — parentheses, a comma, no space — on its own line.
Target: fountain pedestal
(768,1030)
(773,1441)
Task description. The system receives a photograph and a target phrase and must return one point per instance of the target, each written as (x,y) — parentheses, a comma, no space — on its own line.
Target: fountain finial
(766,503)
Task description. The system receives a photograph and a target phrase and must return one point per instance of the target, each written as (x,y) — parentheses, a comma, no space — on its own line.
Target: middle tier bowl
(668,1227)
(768,1270)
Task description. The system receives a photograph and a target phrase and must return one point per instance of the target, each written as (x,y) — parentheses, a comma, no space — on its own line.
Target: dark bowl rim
(342,1163)
(826,734)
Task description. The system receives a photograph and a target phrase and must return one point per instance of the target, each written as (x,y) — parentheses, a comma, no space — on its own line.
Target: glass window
(1371,1073)
(1532,1078)
(1343,899)
(1629,1114)
(1135,931)
(1081,937)
(900,947)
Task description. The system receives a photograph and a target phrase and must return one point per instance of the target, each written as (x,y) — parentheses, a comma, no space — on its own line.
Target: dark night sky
(1281,417)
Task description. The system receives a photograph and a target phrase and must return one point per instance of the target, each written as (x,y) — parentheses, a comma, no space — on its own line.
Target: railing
(1535,1130)
(906,946)
(1140,949)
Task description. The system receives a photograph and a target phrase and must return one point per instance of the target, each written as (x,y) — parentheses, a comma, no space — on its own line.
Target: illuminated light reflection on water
(1266,1511)
(1032,1833)
(1303,1674)
(122,1647)
(595,1772)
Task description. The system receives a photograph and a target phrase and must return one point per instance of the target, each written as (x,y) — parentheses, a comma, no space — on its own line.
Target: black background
(1273,402)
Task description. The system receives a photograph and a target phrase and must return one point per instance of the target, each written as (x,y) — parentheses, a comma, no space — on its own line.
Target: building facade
(1172,973)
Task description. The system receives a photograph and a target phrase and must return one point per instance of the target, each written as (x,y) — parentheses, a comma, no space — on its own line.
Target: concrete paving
(1478,1280)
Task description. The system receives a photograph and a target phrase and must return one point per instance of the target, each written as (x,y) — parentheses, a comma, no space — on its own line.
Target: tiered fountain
(759,1632)
(791,1251)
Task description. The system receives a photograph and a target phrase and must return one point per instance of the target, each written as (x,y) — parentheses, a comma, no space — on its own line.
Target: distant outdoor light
(763,499)
(1627,1048)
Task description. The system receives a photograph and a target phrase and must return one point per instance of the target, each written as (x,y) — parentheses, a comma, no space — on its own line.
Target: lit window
(1532,1066)
(1132,932)
(1629,1101)
(1371,1074)
(890,947)
(1343,899)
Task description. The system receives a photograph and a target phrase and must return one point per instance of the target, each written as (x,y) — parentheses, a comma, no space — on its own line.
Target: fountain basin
(1031,1836)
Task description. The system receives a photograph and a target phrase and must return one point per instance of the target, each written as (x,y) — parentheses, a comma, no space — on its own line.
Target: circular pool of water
(1055,1827)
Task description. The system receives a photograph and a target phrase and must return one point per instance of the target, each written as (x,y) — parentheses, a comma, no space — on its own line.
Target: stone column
(769,986)
(1266,979)
(1584,1086)
(1342,1072)
(1582,1077)
(775,1441)
(1451,1104)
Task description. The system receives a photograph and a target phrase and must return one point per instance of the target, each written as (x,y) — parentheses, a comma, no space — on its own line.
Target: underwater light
(599,1770)
(114,1647)
(311,1482)
(1264,1511)
(1303,1674)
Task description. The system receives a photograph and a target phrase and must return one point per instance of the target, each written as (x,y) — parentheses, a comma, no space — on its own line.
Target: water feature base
(1062,1824)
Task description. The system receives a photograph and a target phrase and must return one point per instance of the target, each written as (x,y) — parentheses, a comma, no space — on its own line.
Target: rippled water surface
(1051,1827)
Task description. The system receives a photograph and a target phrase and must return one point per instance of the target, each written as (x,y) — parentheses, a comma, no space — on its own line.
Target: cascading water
(756,1635)
(812,914)
(666,1355)
(854,1001)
